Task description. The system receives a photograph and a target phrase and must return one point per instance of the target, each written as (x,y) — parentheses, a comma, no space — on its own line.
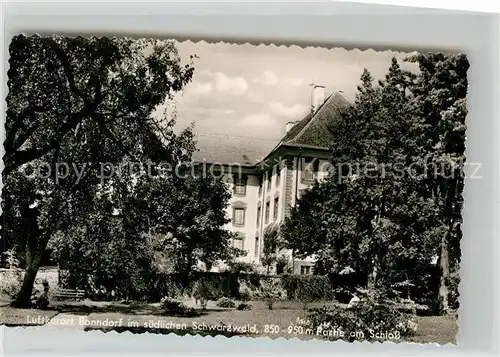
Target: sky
(253,91)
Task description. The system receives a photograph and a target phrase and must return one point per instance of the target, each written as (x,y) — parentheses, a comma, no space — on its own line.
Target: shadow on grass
(127,310)
(164,331)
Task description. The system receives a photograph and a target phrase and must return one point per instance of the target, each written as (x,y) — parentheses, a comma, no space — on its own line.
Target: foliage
(13,277)
(393,198)
(372,318)
(440,104)
(271,292)
(307,288)
(104,256)
(206,289)
(283,265)
(272,244)
(237,267)
(244,306)
(226,302)
(11,282)
(175,307)
(454,295)
(73,105)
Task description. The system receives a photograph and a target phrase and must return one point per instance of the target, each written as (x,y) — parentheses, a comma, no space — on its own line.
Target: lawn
(282,321)
(436,329)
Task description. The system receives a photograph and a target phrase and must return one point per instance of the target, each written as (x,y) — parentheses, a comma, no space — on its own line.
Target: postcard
(232,189)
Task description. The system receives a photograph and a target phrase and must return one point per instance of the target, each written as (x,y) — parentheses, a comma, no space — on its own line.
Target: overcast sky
(253,91)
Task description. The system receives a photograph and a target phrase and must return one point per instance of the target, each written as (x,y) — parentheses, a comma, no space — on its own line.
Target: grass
(259,321)
(436,329)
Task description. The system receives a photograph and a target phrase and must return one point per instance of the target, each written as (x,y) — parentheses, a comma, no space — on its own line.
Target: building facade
(264,189)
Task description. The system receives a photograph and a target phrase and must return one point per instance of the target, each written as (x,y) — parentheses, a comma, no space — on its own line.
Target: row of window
(239,243)
(267,211)
(239,213)
(309,170)
(269,178)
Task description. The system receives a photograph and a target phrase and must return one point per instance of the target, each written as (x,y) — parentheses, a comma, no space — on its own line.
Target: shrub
(271,291)
(307,288)
(12,278)
(241,267)
(244,306)
(205,290)
(226,302)
(372,318)
(175,307)
(11,282)
(170,304)
(244,292)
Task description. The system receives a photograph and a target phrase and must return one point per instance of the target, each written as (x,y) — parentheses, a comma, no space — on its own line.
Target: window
(275,208)
(278,175)
(305,269)
(240,186)
(259,212)
(239,216)
(238,242)
(310,167)
(269,179)
(260,185)
(268,207)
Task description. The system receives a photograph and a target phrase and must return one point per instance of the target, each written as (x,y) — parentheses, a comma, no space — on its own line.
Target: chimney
(317,97)
(289,126)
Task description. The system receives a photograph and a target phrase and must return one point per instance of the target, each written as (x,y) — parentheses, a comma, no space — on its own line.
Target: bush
(170,304)
(226,303)
(307,288)
(372,318)
(205,290)
(244,306)
(241,267)
(271,291)
(244,292)
(11,282)
(12,279)
(175,307)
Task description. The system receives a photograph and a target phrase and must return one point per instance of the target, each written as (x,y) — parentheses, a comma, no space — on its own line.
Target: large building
(266,181)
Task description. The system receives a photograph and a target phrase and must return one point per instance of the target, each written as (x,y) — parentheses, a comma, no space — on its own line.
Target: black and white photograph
(234,189)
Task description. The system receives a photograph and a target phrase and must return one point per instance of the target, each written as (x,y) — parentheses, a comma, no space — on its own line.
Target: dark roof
(227,150)
(310,132)
(313,130)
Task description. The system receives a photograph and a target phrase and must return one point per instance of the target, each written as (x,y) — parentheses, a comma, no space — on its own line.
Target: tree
(76,107)
(272,244)
(440,108)
(139,217)
(370,216)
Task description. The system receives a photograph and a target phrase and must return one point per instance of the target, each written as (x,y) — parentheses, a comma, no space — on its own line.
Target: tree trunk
(445,275)
(35,247)
(23,299)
